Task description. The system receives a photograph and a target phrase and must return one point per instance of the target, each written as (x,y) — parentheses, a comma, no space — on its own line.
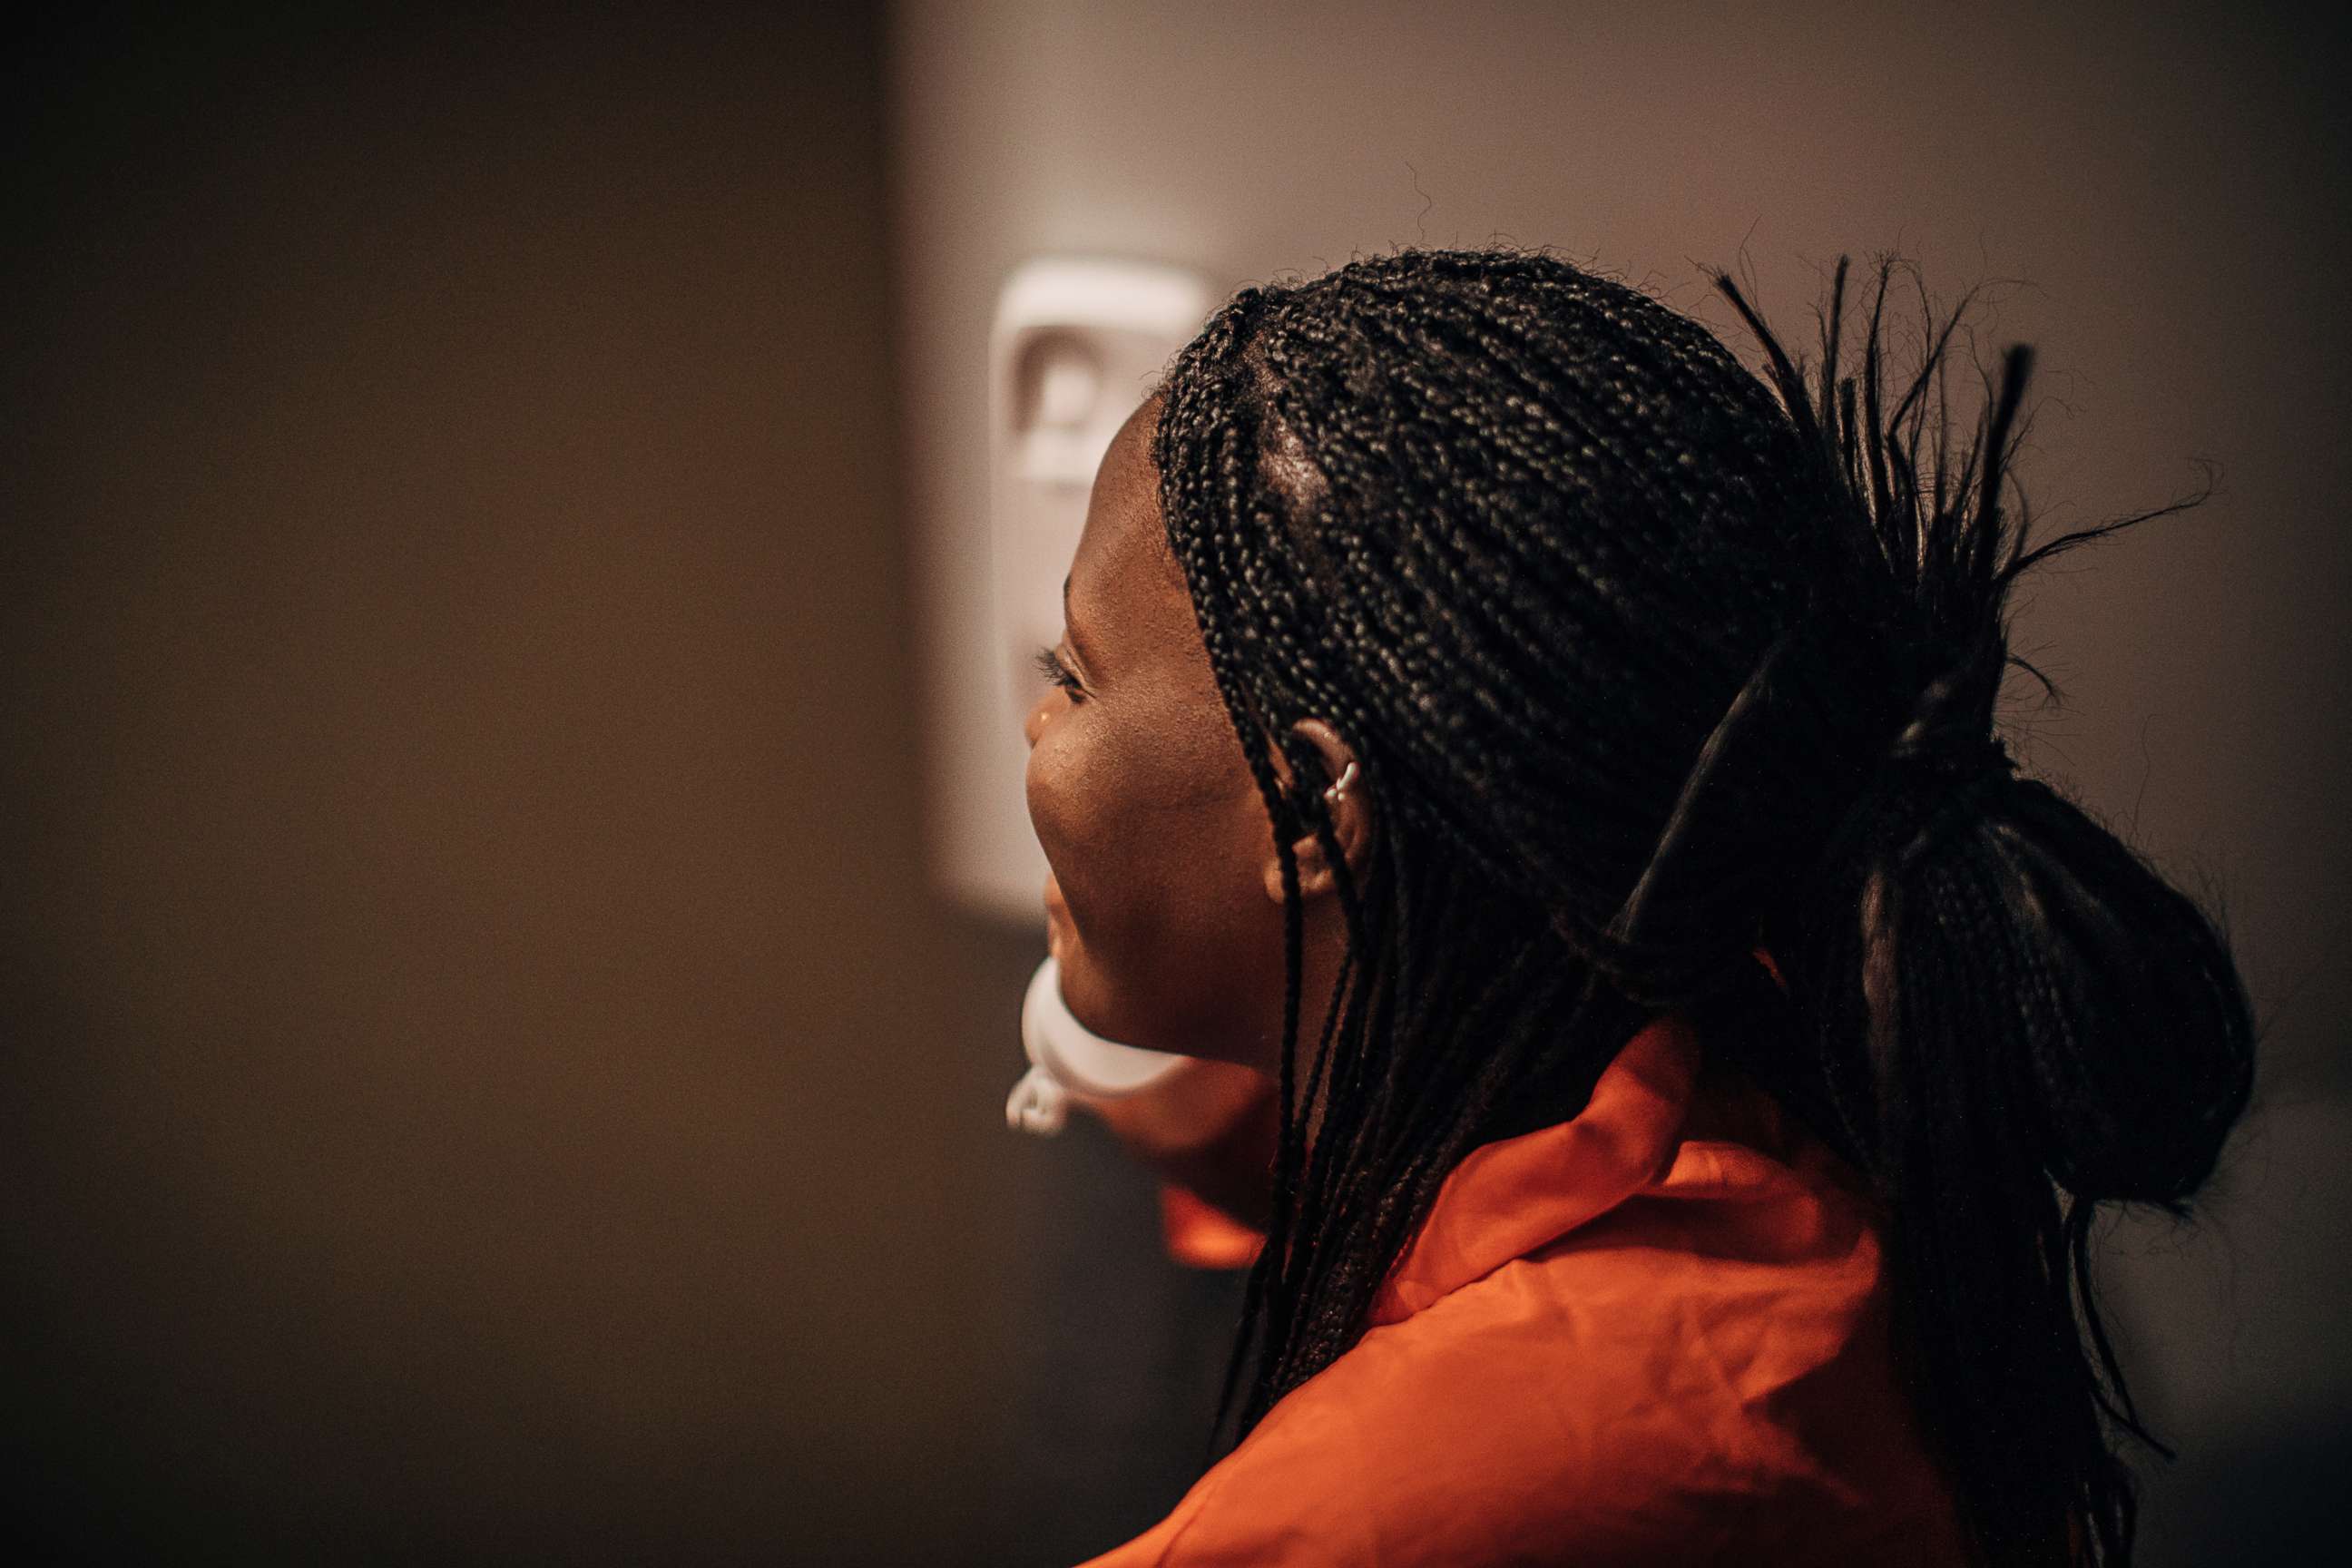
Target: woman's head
(1162,870)
(1528,530)
(1645,663)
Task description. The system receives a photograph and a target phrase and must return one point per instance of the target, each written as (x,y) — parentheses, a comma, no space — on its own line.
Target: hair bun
(1956,759)
(1944,785)
(2136,1030)
(2007,1005)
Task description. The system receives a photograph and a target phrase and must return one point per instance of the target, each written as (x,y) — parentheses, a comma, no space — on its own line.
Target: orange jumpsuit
(1653,1333)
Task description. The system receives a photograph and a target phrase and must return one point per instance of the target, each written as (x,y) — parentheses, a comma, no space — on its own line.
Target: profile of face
(1164,900)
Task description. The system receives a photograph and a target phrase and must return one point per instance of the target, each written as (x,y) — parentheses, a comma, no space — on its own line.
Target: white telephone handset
(1067,1059)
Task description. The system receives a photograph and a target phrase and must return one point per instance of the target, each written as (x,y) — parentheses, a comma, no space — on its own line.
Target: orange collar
(1509,1198)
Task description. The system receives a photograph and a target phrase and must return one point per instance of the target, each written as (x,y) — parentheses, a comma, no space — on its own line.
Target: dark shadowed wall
(483,1074)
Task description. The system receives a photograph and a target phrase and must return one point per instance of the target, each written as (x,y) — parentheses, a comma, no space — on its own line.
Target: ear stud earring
(1347,777)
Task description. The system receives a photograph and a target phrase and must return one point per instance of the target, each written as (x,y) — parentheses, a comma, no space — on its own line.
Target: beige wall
(484,1074)
(2163,192)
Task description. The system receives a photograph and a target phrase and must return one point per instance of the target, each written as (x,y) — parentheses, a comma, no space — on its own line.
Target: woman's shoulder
(1493,1428)
(1703,1369)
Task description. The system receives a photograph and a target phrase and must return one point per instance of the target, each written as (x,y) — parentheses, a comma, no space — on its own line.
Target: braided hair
(1647,662)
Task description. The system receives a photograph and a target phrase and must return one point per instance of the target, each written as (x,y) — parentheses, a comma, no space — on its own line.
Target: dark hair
(1646,664)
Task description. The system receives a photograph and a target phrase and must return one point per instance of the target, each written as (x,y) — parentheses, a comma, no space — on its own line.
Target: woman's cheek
(1044,788)
(1059,819)
(1105,860)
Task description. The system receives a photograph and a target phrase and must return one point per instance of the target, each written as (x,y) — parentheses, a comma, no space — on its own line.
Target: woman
(1564,770)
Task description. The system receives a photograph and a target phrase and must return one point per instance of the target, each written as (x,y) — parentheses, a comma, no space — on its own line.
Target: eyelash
(1050,665)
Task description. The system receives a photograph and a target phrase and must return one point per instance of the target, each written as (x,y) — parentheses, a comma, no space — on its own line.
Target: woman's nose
(1034,725)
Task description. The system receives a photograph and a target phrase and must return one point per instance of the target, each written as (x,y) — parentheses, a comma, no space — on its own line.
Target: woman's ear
(1345,797)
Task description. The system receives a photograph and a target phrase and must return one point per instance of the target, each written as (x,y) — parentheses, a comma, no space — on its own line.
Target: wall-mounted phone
(1074,344)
